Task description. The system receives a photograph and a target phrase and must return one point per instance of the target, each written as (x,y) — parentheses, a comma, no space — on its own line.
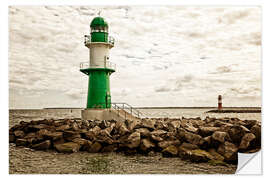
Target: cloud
(155,52)
(232,16)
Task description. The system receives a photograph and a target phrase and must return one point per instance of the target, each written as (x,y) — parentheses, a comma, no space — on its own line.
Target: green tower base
(99,95)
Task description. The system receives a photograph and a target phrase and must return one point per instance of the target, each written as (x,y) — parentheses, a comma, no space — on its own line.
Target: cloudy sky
(165,55)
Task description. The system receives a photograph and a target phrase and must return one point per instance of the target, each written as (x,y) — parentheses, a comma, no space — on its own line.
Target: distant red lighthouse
(219,102)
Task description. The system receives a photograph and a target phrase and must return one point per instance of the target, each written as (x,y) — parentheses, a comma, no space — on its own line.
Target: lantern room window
(99,29)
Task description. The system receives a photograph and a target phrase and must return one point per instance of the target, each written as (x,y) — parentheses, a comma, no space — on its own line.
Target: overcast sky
(165,55)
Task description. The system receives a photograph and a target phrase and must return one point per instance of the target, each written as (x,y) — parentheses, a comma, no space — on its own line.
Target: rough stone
(121,127)
(228,151)
(133,124)
(161,125)
(134,140)
(146,144)
(188,146)
(207,131)
(53,135)
(165,144)
(193,138)
(170,151)
(148,123)
(256,130)
(250,123)
(237,132)
(43,145)
(95,147)
(246,139)
(144,132)
(12,138)
(70,135)
(198,155)
(62,127)
(21,142)
(220,136)
(158,135)
(216,155)
(75,126)
(19,134)
(109,148)
(174,125)
(68,147)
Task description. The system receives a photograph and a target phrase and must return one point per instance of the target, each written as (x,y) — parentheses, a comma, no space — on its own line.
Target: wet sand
(27,161)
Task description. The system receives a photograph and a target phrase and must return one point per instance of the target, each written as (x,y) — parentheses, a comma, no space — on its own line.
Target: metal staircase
(127,111)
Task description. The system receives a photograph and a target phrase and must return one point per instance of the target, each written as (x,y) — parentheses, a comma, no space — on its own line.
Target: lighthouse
(219,102)
(98,68)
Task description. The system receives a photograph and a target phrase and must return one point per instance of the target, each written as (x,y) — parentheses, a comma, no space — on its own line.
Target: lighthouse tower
(99,68)
(219,102)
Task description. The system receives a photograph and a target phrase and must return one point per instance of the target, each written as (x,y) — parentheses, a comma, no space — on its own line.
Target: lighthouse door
(108,101)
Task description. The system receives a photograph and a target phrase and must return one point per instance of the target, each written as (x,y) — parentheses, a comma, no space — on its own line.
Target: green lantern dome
(98,21)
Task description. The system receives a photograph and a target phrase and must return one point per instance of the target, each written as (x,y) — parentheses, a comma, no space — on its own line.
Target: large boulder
(133,124)
(82,142)
(53,135)
(197,123)
(161,125)
(134,140)
(104,124)
(104,137)
(144,132)
(158,135)
(187,146)
(148,123)
(228,151)
(207,131)
(75,126)
(62,127)
(110,148)
(146,144)
(42,146)
(19,134)
(237,132)
(165,144)
(21,142)
(170,151)
(95,147)
(246,139)
(69,147)
(216,155)
(174,125)
(220,136)
(195,155)
(250,123)
(121,128)
(70,135)
(191,138)
(198,155)
(256,130)
(12,138)
(34,128)
(191,128)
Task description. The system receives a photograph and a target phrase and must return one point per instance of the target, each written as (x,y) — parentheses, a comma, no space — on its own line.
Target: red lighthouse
(219,102)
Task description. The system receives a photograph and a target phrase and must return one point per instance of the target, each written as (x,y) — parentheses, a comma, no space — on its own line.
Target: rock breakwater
(200,140)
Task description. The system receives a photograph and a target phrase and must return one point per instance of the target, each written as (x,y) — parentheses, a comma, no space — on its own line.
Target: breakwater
(200,140)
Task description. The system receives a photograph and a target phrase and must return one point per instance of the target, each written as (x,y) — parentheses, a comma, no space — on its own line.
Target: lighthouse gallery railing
(107,64)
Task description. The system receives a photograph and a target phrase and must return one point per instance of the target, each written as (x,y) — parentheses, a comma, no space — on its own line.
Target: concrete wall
(100,114)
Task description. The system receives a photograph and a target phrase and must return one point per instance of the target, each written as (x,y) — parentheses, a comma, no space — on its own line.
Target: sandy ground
(27,161)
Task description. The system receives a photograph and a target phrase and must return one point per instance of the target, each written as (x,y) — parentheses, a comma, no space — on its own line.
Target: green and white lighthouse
(99,68)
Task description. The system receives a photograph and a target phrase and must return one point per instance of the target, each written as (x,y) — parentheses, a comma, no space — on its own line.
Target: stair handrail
(124,106)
